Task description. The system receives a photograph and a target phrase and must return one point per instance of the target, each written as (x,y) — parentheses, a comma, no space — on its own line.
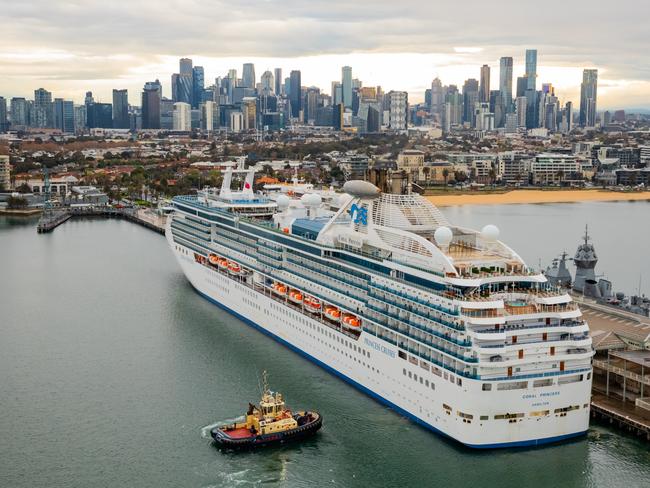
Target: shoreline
(536,197)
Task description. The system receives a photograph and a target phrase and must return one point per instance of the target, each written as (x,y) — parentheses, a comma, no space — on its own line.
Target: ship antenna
(586,233)
(265,382)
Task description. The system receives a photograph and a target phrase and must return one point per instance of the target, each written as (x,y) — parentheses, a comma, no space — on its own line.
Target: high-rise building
(248,76)
(311,104)
(531,69)
(470,99)
(43,114)
(267,81)
(346,85)
(437,96)
(278,81)
(337,93)
(182,117)
(398,110)
(505,82)
(80,118)
(19,112)
(209,116)
(151,97)
(121,109)
(4,120)
(522,83)
(5,172)
(99,115)
(484,90)
(64,115)
(295,94)
(521,109)
(588,96)
(198,84)
(185,66)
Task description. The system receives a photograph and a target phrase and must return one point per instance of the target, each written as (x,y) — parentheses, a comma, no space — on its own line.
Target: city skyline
(392,45)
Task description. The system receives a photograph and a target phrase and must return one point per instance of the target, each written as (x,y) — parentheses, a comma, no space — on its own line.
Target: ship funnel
(591,289)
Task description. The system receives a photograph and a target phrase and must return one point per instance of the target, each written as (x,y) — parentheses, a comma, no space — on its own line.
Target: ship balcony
(558,344)
(503,360)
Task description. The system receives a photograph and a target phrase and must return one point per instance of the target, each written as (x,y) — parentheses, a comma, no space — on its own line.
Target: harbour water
(112,366)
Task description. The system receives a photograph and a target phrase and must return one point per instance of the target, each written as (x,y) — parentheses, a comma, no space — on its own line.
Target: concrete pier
(144,217)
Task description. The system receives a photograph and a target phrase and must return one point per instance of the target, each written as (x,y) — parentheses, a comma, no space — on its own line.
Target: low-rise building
(5,172)
(555,169)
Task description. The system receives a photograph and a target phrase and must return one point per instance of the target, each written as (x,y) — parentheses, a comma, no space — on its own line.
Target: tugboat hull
(242,438)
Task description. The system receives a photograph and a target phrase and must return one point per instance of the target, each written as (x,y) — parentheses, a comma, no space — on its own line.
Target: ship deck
(241,433)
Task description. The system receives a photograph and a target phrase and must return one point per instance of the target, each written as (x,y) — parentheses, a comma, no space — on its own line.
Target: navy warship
(589,285)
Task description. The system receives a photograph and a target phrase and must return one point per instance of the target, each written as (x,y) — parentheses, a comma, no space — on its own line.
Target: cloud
(92,43)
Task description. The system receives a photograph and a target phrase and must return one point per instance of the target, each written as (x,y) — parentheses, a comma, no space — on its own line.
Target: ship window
(567,409)
(426,382)
(420,379)
(459,382)
(542,383)
(446,407)
(512,385)
(487,386)
(433,386)
(415,377)
(403,371)
(570,379)
(484,417)
(410,375)
(507,416)
(402,354)
(539,413)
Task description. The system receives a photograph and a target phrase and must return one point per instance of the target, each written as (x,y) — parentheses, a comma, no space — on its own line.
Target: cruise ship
(446,325)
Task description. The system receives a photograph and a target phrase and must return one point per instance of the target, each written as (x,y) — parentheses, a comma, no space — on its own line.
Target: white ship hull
(373,366)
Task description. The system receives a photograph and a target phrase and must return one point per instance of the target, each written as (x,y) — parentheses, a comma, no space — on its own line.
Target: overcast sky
(69,46)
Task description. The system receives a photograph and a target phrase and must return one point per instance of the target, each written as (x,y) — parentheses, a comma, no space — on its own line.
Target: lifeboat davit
(312,304)
(279,289)
(222,263)
(351,321)
(213,259)
(333,313)
(295,296)
(234,268)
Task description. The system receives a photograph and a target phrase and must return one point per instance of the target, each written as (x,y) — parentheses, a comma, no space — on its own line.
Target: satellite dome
(343,199)
(490,233)
(443,236)
(283,202)
(361,189)
(311,200)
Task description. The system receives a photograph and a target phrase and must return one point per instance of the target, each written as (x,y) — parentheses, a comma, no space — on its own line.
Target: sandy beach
(536,196)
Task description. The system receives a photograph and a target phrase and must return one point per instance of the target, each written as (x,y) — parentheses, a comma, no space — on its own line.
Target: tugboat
(270,423)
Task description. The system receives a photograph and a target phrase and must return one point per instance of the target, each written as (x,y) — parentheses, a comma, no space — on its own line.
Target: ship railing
(189,228)
(424,328)
(411,298)
(343,287)
(438,347)
(315,269)
(525,327)
(423,315)
(535,375)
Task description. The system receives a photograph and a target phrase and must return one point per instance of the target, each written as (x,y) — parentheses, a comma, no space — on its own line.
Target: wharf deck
(625,415)
(143,217)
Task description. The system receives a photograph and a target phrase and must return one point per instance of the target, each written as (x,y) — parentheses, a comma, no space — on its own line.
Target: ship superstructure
(445,324)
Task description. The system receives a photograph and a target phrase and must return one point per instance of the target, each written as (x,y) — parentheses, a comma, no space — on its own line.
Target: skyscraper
(588,96)
(470,98)
(505,82)
(248,75)
(64,115)
(19,112)
(151,96)
(4,121)
(43,115)
(437,96)
(346,84)
(531,69)
(121,109)
(484,90)
(185,66)
(198,83)
(295,93)
(522,83)
(278,81)
(182,117)
(267,82)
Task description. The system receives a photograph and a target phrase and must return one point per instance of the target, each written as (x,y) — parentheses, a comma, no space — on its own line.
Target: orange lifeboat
(213,259)
(233,268)
(279,289)
(222,263)
(295,296)
(333,313)
(352,321)
(312,304)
